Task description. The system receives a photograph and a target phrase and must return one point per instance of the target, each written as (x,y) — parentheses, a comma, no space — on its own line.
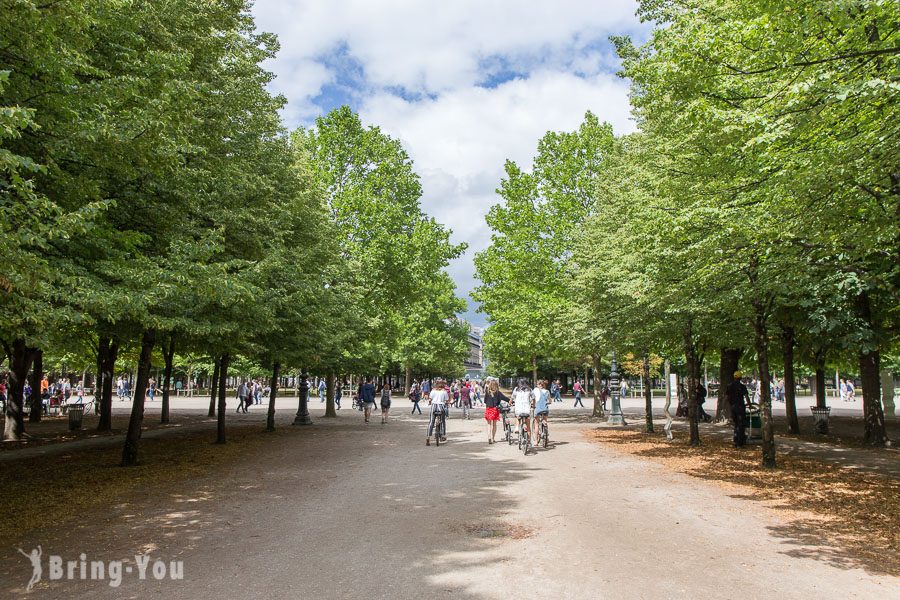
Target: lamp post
(615,416)
(302,417)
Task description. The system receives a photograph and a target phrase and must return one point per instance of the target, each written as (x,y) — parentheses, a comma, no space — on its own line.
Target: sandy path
(341,510)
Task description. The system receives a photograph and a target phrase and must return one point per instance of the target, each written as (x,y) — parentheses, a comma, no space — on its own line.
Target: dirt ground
(346,510)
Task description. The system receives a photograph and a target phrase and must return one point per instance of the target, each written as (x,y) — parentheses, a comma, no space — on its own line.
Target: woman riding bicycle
(438,400)
(522,405)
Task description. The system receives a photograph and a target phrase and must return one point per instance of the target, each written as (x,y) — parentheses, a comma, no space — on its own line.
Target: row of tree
(152,202)
(754,213)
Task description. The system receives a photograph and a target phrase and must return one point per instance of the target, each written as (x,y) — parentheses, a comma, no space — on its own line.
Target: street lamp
(302,417)
(615,417)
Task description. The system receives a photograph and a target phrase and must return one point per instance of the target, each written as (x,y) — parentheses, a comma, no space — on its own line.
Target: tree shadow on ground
(261,500)
(848,518)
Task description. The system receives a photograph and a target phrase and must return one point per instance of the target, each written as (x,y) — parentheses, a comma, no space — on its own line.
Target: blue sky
(464,85)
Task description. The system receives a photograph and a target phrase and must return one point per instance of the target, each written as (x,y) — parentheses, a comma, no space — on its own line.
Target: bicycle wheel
(438,425)
(546,435)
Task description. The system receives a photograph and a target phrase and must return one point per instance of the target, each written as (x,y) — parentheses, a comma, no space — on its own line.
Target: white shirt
(522,401)
(439,398)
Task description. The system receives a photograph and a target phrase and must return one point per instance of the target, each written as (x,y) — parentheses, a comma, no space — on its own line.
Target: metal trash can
(821,418)
(76,414)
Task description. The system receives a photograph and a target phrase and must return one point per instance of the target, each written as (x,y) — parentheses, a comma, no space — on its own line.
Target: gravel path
(344,510)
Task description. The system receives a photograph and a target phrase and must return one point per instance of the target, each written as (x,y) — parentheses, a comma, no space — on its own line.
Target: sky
(463,84)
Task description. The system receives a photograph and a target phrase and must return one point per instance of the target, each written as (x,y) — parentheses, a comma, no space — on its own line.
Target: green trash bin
(76,414)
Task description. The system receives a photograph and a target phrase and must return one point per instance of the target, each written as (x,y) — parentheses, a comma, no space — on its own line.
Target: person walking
(604,395)
(492,399)
(385,402)
(322,390)
(243,394)
(415,396)
(701,399)
(465,398)
(151,389)
(338,391)
(738,399)
(578,391)
(367,397)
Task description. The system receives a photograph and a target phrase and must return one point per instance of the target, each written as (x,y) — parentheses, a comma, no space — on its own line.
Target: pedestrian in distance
(465,398)
(415,396)
(701,399)
(578,392)
(243,395)
(739,399)
(337,395)
(367,397)
(385,402)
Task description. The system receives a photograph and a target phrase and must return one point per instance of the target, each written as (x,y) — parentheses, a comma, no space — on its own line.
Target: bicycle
(524,439)
(543,433)
(440,427)
(507,427)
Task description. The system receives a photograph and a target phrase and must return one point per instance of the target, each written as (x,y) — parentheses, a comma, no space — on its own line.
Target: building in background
(474,363)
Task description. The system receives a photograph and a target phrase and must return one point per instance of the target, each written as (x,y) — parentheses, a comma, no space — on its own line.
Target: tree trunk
(213,387)
(20,357)
(534,372)
(690,355)
(887,394)
(102,352)
(133,437)
(108,366)
(729,359)
(765,396)
(648,394)
(168,357)
(869,369)
(37,405)
(820,385)
(273,393)
(330,393)
(408,383)
(790,386)
(598,403)
(220,417)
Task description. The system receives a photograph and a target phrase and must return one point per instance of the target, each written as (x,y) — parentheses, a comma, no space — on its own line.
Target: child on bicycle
(541,406)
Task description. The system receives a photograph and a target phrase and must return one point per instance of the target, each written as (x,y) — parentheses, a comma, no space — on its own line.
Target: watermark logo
(112,571)
(35,558)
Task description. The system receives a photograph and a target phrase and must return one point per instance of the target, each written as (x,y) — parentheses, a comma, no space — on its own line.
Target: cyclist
(522,405)
(438,400)
(541,407)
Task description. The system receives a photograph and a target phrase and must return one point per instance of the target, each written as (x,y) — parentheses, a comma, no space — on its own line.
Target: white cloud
(458,133)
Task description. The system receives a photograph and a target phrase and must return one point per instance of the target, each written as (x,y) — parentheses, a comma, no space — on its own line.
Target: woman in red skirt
(492,398)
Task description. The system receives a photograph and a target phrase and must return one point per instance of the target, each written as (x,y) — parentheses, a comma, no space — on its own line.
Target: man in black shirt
(738,398)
